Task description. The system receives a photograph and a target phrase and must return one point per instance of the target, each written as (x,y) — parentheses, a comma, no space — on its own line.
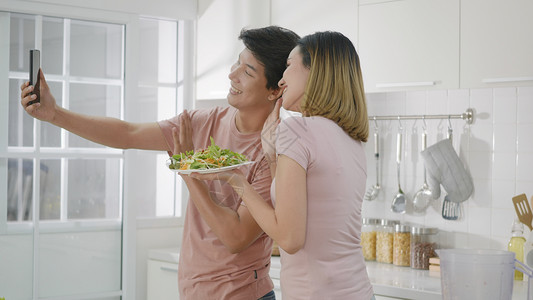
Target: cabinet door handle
(405,84)
(506,79)
(175,270)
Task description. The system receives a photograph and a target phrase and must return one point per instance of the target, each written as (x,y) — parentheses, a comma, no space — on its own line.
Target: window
(74,222)
(83,63)
(160,97)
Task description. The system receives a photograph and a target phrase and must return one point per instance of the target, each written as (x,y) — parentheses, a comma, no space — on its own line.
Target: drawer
(162,280)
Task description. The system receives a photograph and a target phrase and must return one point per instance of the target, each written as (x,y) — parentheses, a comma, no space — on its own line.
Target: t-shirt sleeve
(261,180)
(292,140)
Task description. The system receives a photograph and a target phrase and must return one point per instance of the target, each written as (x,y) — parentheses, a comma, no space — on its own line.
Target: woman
(320,173)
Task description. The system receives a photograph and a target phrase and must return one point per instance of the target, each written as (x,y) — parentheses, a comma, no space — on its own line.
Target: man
(224,253)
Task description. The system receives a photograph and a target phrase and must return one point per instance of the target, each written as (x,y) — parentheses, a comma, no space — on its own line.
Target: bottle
(401,252)
(424,242)
(516,245)
(384,241)
(368,238)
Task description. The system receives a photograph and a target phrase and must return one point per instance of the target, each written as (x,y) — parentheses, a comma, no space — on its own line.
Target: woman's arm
(235,229)
(287,222)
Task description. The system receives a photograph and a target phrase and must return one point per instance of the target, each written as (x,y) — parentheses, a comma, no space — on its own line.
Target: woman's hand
(268,134)
(45,109)
(183,139)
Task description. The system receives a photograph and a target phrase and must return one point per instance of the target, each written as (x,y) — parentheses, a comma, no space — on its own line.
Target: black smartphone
(35,65)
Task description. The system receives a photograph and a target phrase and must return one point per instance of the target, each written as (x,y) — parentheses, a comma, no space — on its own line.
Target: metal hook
(424,125)
(400,127)
(375,124)
(449,122)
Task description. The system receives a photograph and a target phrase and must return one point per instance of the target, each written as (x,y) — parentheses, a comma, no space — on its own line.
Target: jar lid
(371,221)
(389,222)
(402,228)
(424,230)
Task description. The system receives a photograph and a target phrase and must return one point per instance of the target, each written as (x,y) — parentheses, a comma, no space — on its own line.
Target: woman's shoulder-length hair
(334,89)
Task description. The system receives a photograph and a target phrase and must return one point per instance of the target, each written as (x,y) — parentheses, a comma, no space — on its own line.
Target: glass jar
(401,245)
(368,238)
(384,241)
(424,242)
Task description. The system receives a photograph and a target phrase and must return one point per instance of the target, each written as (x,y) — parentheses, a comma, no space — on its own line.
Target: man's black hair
(270,46)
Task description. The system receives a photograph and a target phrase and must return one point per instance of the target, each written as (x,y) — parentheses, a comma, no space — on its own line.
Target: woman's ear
(275,94)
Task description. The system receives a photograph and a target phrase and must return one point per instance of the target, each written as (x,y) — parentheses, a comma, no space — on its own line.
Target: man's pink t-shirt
(330,265)
(207,270)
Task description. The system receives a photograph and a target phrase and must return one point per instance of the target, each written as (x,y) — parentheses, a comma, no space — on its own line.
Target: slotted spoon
(373,191)
(523,210)
(450,210)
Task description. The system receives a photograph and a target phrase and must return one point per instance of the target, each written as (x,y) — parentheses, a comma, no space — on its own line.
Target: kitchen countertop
(404,282)
(170,255)
(386,279)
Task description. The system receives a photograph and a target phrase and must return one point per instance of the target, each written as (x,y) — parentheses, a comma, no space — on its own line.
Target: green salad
(211,158)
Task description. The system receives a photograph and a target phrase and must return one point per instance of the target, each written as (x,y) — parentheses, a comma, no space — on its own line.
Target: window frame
(128,86)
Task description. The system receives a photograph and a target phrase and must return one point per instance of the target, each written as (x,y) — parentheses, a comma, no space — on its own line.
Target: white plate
(206,171)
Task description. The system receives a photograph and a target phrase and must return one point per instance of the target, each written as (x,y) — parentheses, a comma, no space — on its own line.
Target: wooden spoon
(523,210)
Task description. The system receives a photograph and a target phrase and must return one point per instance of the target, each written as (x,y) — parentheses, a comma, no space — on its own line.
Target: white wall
(497,150)
(218,26)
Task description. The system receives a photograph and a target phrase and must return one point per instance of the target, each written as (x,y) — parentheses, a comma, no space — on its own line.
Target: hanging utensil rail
(468,116)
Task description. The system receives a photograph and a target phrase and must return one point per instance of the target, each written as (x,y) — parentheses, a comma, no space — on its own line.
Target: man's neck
(250,122)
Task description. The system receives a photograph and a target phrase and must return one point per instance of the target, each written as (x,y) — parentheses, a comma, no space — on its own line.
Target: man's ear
(275,94)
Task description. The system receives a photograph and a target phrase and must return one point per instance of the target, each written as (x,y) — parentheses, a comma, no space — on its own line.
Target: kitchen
(467,54)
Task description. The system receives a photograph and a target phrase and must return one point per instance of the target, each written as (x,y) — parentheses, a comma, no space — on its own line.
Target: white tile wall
(497,150)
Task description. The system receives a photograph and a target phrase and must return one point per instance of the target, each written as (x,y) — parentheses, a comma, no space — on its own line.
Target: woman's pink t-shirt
(330,265)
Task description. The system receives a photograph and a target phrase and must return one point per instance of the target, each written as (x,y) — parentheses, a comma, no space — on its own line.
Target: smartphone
(35,65)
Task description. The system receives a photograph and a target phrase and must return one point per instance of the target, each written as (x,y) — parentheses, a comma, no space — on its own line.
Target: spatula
(523,210)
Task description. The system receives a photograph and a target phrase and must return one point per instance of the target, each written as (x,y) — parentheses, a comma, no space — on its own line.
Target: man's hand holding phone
(35,94)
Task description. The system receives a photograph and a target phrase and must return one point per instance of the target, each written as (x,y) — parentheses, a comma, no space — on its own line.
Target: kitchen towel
(445,167)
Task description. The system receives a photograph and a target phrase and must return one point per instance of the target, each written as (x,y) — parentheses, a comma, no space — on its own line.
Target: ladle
(398,203)
(424,195)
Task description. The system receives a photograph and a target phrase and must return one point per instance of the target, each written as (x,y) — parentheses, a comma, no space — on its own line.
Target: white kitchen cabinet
(162,277)
(162,280)
(409,44)
(275,271)
(496,43)
(316,15)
